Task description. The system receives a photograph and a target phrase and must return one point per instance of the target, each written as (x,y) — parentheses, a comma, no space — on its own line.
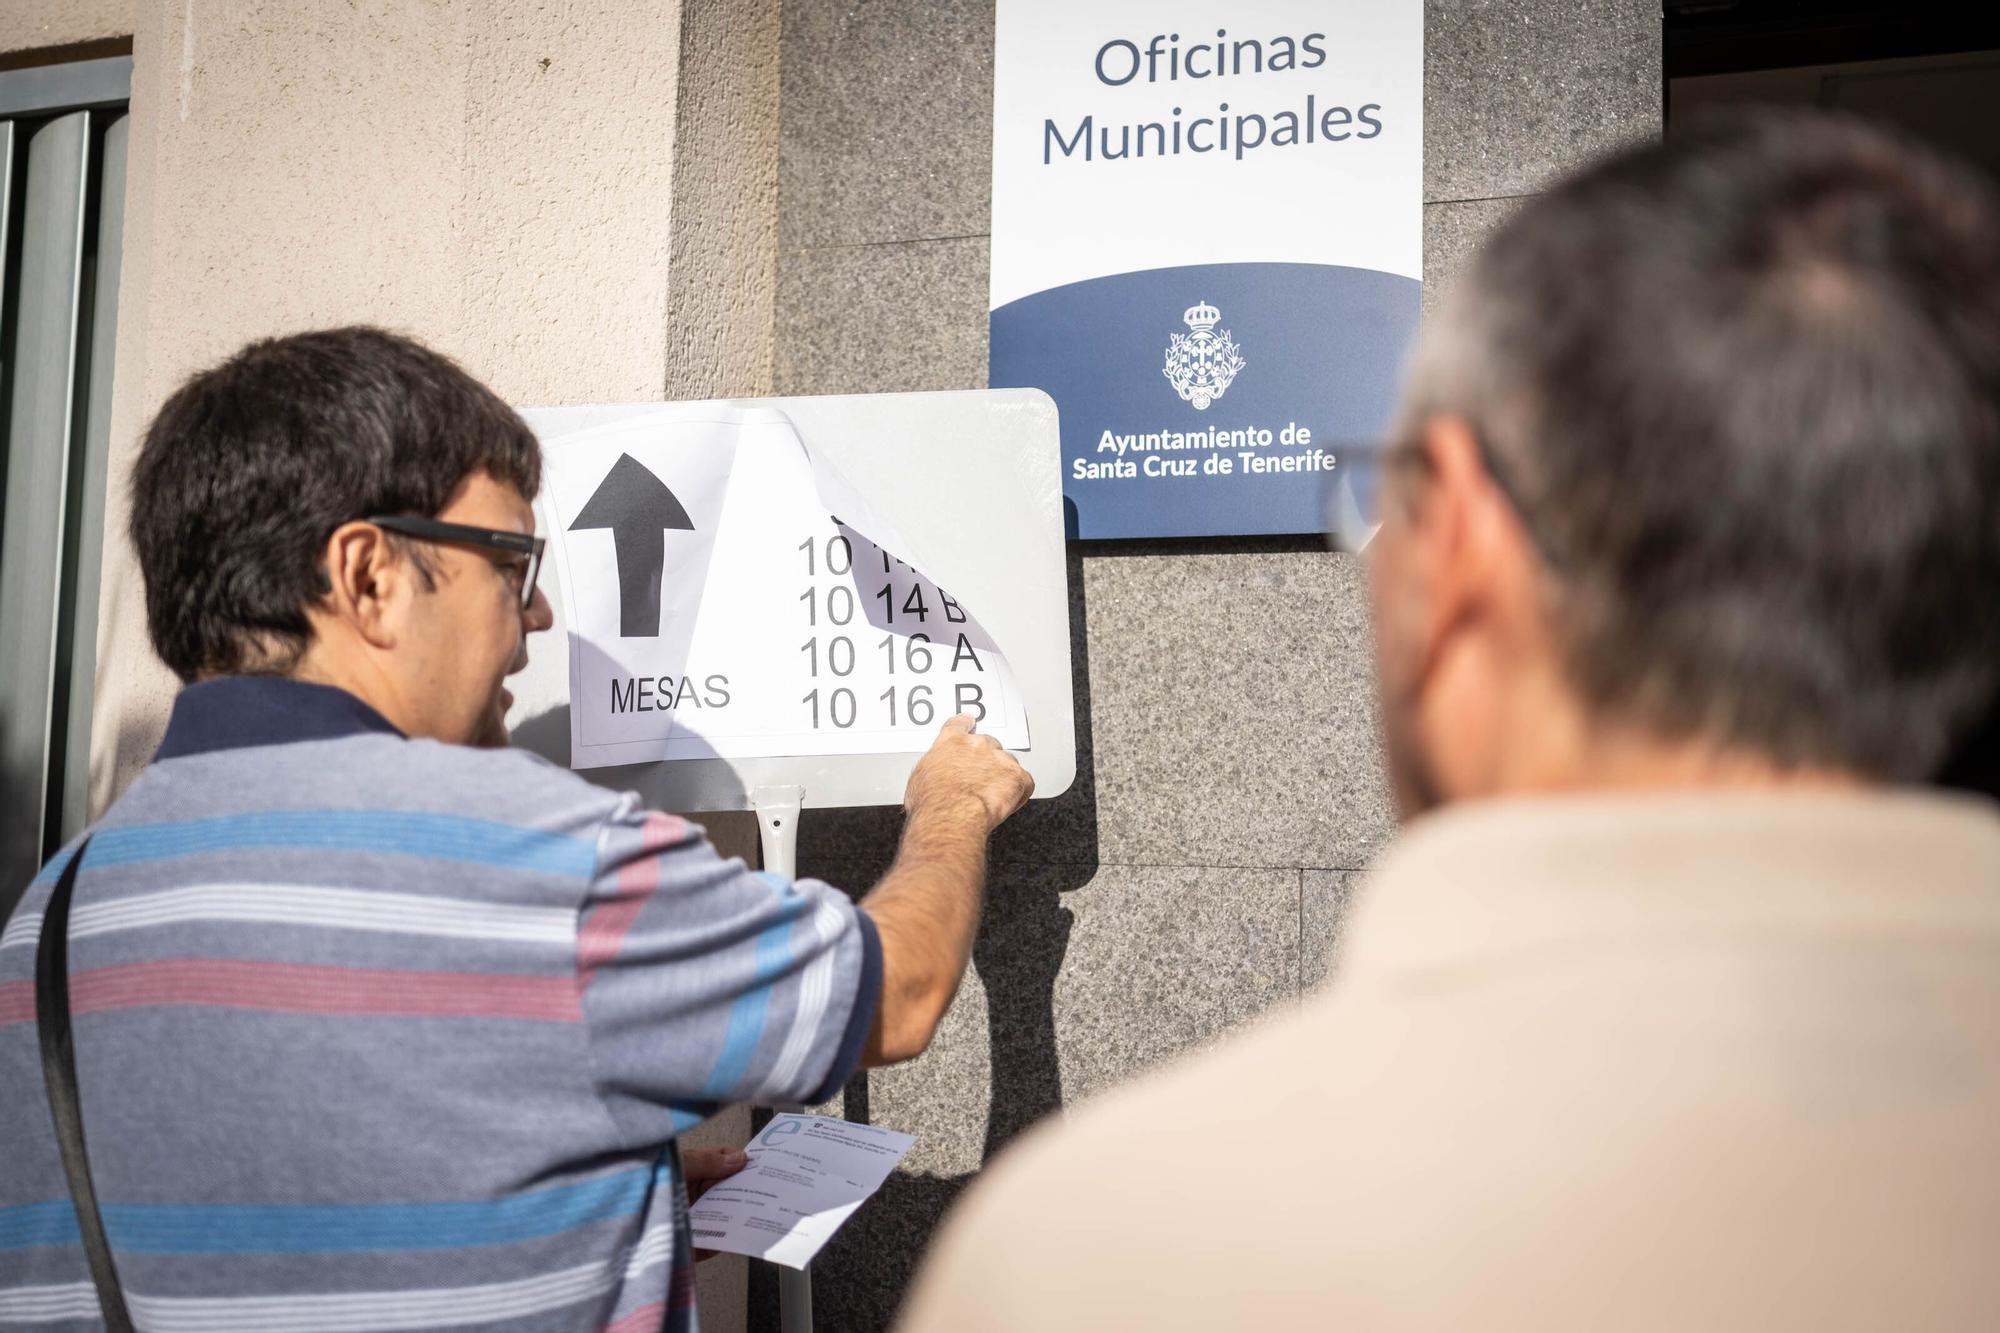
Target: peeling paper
(793,617)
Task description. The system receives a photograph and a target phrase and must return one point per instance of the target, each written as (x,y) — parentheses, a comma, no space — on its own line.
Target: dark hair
(251,465)
(1748,380)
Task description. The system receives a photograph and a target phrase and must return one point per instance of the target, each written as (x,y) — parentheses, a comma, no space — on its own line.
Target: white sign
(718,608)
(807,1175)
(1207,246)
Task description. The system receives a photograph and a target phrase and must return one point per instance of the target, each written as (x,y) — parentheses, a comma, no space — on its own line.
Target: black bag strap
(59,1072)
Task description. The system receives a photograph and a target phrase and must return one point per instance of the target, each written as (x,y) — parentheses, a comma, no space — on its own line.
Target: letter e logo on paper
(782,1129)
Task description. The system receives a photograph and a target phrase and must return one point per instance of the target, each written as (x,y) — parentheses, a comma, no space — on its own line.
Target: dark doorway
(1932,69)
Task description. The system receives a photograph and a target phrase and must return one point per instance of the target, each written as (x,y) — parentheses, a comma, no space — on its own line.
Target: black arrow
(638,508)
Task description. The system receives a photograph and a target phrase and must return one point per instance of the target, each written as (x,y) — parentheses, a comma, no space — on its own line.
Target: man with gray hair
(1678,1003)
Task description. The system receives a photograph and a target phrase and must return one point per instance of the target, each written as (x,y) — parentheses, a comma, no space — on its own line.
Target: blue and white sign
(1207,247)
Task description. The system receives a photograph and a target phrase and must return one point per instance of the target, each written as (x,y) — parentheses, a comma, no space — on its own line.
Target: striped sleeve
(706,983)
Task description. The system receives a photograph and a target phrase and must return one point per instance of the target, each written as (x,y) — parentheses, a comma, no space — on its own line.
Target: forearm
(926,910)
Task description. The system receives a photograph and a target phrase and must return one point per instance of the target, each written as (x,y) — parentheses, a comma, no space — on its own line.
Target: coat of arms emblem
(1202,362)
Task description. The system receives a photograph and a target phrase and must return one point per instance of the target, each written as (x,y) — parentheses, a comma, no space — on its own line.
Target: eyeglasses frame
(1408,452)
(497,539)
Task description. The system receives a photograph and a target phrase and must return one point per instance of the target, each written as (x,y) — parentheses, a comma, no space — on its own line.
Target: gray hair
(1744,386)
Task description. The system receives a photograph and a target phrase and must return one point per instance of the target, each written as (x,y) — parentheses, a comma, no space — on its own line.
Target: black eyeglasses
(492,539)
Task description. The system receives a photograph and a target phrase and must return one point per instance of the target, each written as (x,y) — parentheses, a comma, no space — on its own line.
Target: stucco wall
(501,190)
(536,190)
(1230,789)
(29,25)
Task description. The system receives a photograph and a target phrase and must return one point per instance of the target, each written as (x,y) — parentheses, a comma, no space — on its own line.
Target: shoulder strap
(59,1072)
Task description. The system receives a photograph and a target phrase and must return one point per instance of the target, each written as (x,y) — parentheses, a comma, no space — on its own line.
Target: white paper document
(807,1175)
(719,606)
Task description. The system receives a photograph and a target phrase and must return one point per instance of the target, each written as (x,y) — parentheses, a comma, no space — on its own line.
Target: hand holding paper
(807,1175)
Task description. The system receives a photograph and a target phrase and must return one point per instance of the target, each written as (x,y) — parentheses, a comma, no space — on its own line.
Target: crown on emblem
(1201,316)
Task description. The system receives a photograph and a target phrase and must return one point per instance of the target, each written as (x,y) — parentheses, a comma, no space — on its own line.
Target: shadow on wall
(1047,851)
(19,857)
(863,1275)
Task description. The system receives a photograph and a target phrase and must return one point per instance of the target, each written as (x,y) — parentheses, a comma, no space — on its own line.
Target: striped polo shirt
(379,1033)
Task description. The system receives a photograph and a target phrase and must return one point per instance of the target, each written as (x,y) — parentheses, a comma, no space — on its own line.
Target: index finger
(960,724)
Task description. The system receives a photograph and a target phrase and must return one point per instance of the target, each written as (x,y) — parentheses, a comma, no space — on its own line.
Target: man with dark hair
(377,1026)
(1678,1004)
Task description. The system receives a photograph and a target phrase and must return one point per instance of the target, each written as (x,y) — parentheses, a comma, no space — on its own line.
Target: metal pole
(778,829)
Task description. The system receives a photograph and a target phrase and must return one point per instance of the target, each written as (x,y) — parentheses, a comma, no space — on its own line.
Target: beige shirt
(1662,1062)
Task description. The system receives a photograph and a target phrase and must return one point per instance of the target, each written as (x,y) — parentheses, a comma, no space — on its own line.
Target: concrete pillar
(577,201)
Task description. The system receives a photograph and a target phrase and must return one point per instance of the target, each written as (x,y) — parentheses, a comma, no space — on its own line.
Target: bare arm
(926,909)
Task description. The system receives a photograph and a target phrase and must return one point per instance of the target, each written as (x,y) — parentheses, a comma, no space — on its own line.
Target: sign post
(778,830)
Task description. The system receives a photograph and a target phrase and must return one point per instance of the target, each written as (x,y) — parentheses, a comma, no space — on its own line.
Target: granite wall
(1230,786)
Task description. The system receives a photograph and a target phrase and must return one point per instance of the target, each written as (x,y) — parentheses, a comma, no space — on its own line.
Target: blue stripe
(747,1015)
(336,1228)
(27,1225)
(404,832)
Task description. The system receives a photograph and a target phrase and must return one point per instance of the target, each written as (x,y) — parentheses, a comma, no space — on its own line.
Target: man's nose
(539,615)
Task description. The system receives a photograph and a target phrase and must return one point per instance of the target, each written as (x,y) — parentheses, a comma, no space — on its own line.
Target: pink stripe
(645,1319)
(233,983)
(17,1002)
(603,931)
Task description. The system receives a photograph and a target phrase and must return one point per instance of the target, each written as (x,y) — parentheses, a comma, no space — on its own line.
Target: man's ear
(368,582)
(1479,556)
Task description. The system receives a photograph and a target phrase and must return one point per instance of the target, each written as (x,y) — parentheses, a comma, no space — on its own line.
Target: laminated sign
(729,595)
(1207,248)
